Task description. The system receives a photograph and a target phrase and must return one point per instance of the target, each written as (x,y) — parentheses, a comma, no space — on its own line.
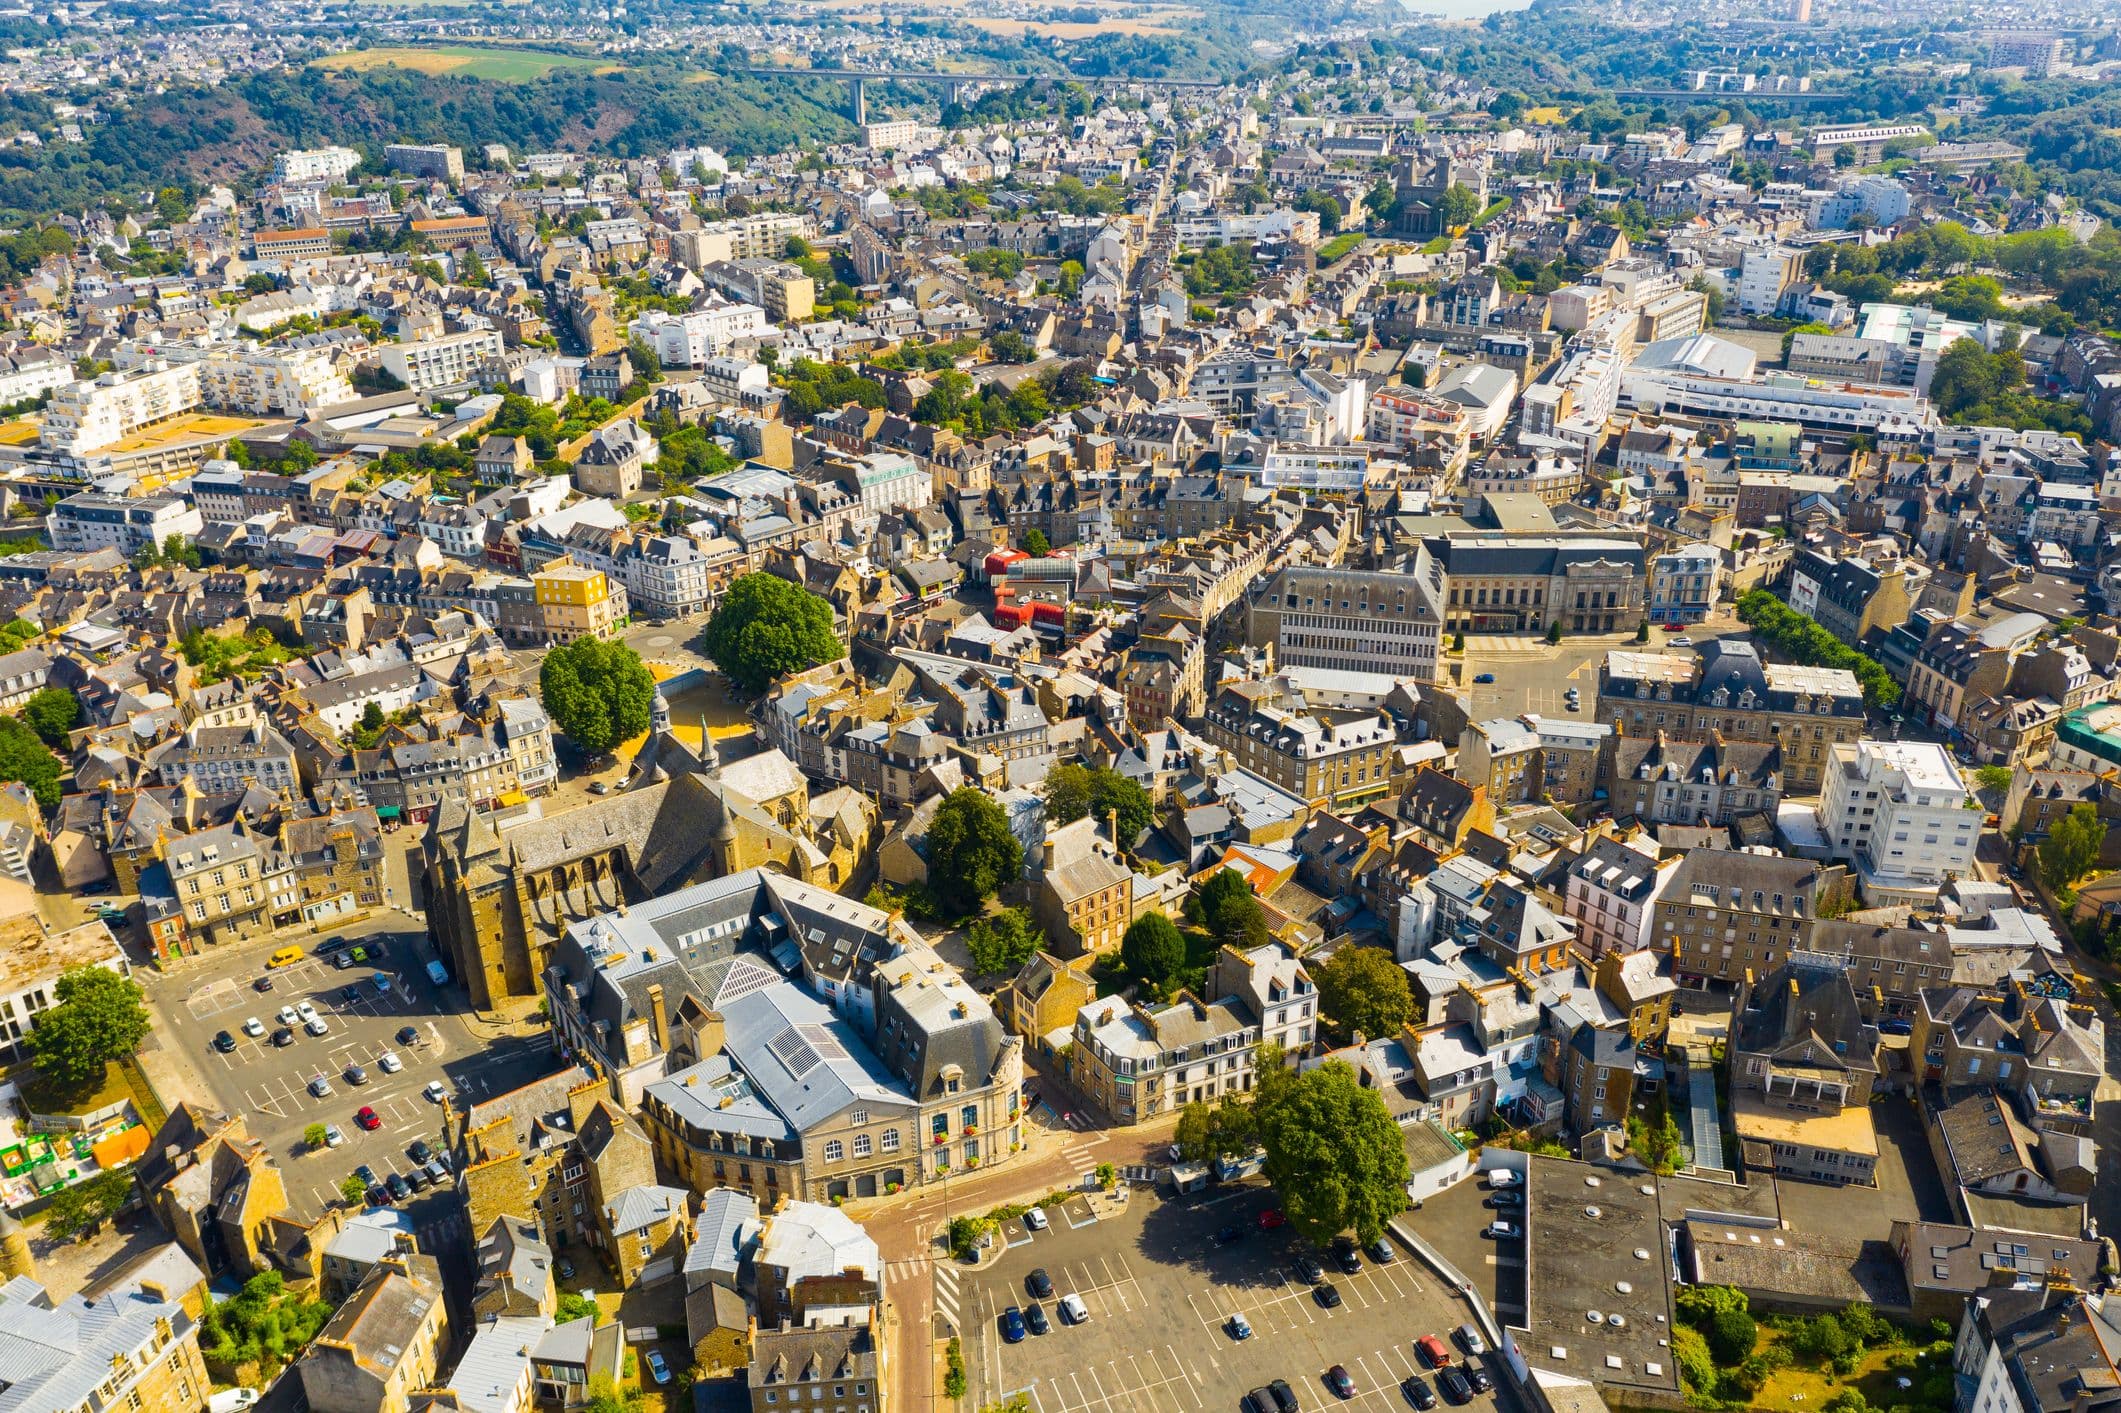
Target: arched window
(891,1140)
(833,1151)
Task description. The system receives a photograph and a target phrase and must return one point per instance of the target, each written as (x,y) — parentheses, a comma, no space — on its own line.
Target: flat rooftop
(1850,1131)
(1601,1301)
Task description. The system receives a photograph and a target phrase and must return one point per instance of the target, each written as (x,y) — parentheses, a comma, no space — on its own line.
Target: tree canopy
(1002,943)
(598,692)
(26,759)
(1152,950)
(971,851)
(1073,791)
(766,627)
(52,713)
(96,1017)
(1224,1129)
(2071,847)
(1334,1153)
(1228,910)
(1363,990)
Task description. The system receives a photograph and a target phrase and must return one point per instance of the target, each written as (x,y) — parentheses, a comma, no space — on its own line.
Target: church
(503,884)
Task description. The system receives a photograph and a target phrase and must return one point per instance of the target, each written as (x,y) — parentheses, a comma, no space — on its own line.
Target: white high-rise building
(690,339)
(1901,813)
(315,164)
(441,362)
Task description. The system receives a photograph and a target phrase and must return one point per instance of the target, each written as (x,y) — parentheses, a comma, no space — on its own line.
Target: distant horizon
(1462,9)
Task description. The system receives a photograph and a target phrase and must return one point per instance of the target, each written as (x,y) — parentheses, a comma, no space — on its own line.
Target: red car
(1672,627)
(368,1118)
(1433,1351)
(1272,1218)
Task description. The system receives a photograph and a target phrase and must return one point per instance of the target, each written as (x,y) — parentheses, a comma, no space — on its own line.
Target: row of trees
(1803,641)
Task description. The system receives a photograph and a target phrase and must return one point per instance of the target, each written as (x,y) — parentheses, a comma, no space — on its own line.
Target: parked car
(1308,1268)
(389,1063)
(1039,1284)
(1337,1380)
(290,1016)
(433,1091)
(1500,1177)
(1035,1318)
(263,983)
(438,1170)
(1415,1389)
(1504,1201)
(1433,1351)
(1035,1218)
(283,1037)
(349,994)
(1381,1252)
(1896,1025)
(1478,1378)
(320,1087)
(1284,1397)
(1327,1297)
(1499,1230)
(315,1026)
(1013,1330)
(1259,1400)
(253,1027)
(1272,1218)
(1228,1234)
(1470,1341)
(419,1150)
(1345,1256)
(1456,1386)
(381,983)
(368,1119)
(408,1035)
(400,1189)
(356,1075)
(305,1010)
(419,1179)
(657,1369)
(342,962)
(1240,1327)
(367,1175)
(1484,679)
(224,1042)
(1073,1311)
(333,1138)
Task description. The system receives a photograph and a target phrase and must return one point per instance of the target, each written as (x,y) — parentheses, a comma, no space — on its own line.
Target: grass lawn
(1338,246)
(44,1097)
(1808,1387)
(461,61)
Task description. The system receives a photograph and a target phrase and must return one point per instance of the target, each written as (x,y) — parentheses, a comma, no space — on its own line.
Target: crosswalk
(946,1294)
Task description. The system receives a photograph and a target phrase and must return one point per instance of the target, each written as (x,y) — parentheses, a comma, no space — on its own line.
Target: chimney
(658,1022)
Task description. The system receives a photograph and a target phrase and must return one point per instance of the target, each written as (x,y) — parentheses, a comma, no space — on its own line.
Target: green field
(1338,246)
(460,61)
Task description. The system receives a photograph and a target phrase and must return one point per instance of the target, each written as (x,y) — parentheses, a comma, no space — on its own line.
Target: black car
(400,1189)
(1456,1387)
(1039,1284)
(1337,1380)
(1478,1377)
(349,994)
(420,1179)
(1284,1396)
(1259,1401)
(420,1150)
(1503,1201)
(408,1035)
(1417,1391)
(1229,1234)
(283,1037)
(1326,1296)
(224,1042)
(366,1174)
(1035,1318)
(1308,1268)
(1346,1256)
(263,983)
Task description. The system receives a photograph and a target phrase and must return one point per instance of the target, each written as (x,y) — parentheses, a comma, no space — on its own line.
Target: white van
(231,1400)
(1501,1177)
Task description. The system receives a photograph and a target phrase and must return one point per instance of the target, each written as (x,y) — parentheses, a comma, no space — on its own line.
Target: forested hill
(231,132)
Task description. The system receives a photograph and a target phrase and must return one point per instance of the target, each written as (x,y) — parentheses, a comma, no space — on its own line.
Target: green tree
(180,551)
(598,692)
(1334,1152)
(1844,156)
(766,627)
(1554,631)
(1993,777)
(1073,791)
(1035,542)
(52,713)
(314,1135)
(1731,1335)
(1362,989)
(87,1205)
(1152,950)
(1002,943)
(1229,911)
(96,1017)
(1223,1129)
(352,1189)
(1458,207)
(971,852)
(2071,847)
(1697,1367)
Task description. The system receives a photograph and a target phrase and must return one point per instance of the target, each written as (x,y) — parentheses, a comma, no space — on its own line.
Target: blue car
(1484,679)
(382,983)
(1013,1325)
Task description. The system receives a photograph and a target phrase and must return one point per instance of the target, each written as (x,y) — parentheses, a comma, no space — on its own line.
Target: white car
(231,1400)
(433,1091)
(288,1016)
(315,1026)
(1500,1177)
(1073,1310)
(332,1137)
(306,1011)
(1500,1231)
(1035,1219)
(254,1027)
(389,1063)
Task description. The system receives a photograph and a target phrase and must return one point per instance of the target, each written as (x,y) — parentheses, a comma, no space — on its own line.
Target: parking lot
(269,1084)
(1160,1289)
